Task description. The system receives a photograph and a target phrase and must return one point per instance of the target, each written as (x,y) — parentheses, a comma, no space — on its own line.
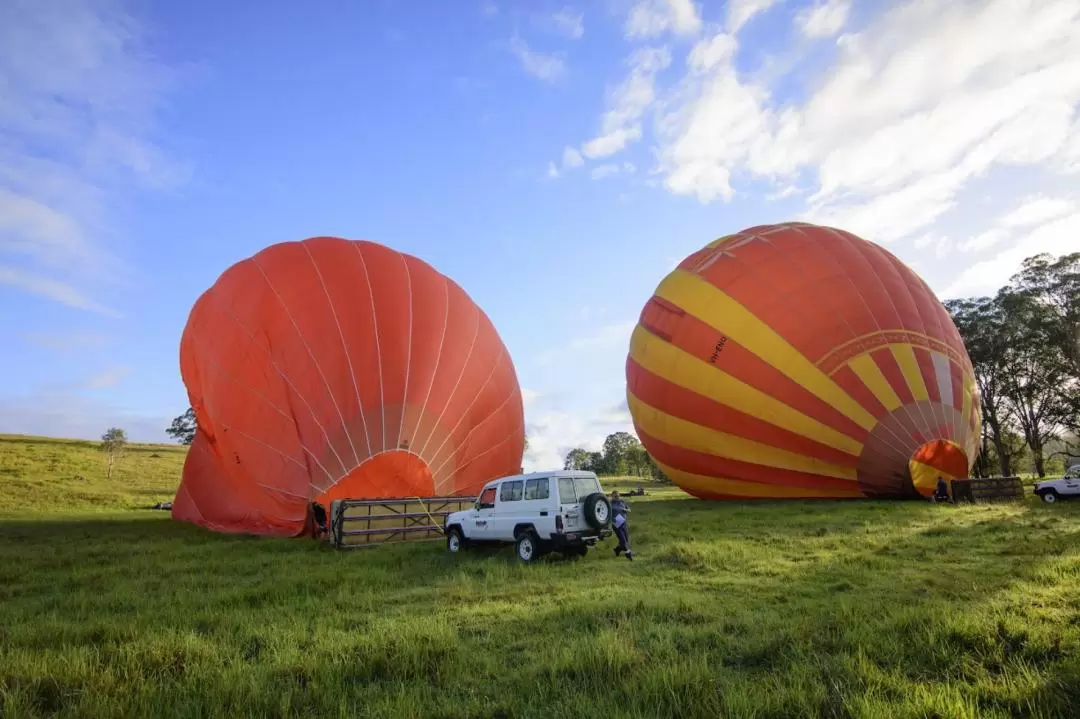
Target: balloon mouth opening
(941,459)
(393,474)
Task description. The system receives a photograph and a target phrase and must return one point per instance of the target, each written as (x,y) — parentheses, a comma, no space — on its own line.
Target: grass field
(794,609)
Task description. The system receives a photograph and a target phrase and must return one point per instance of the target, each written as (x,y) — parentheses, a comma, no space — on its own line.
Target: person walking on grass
(620,510)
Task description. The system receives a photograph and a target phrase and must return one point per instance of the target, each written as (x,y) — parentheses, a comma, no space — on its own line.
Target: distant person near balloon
(619,510)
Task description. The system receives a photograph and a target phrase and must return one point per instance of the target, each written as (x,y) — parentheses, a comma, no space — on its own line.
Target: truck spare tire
(597,510)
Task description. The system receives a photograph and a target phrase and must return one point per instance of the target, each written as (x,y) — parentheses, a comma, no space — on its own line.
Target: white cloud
(65,341)
(824,19)
(108,378)
(546,67)
(614,141)
(552,171)
(1058,237)
(601,171)
(52,289)
(569,23)
(984,240)
(1036,210)
(572,158)
(649,18)
(621,124)
(76,416)
(529,396)
(613,336)
(80,96)
(926,99)
(741,11)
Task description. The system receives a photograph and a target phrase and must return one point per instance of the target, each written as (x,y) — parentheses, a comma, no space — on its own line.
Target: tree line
(1024,345)
(622,455)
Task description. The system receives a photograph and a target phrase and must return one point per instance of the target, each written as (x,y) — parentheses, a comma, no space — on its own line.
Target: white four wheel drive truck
(559,511)
(1068,487)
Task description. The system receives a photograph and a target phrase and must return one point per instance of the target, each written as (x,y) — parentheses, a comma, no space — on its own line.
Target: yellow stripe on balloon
(909,366)
(719,310)
(688,435)
(751,490)
(716,243)
(689,372)
(871,375)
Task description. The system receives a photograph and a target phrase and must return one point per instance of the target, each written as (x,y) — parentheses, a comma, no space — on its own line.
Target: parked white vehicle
(564,511)
(1068,487)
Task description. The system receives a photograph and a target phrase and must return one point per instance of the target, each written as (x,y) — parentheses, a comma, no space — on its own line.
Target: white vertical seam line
(464,414)
(464,366)
(438,359)
(292,459)
(408,356)
(345,347)
(378,351)
(472,459)
(231,378)
(311,354)
(289,382)
(471,431)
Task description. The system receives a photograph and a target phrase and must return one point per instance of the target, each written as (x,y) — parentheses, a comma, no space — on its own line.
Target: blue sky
(555,158)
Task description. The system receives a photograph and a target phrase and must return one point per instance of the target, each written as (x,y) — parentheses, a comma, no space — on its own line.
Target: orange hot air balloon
(800,361)
(331,368)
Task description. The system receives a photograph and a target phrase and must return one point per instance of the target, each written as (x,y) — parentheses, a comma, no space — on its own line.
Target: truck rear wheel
(527,546)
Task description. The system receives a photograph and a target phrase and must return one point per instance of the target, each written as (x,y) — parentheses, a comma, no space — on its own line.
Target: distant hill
(45,474)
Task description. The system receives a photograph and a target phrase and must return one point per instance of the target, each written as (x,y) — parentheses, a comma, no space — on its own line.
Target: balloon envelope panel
(801,361)
(333,368)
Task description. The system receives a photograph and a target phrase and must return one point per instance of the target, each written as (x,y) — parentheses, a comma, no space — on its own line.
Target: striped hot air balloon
(800,361)
(332,368)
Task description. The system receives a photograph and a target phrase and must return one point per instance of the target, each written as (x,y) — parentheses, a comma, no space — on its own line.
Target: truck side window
(537,488)
(511,491)
(567,495)
(487,498)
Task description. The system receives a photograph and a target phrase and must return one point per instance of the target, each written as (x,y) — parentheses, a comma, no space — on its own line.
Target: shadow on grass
(779,609)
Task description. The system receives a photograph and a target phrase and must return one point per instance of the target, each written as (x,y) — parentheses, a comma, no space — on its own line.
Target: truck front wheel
(454,541)
(1050,496)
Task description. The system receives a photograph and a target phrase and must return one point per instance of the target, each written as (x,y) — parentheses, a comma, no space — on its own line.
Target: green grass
(57,475)
(795,609)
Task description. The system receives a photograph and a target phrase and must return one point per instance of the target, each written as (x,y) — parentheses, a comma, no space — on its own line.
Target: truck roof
(553,473)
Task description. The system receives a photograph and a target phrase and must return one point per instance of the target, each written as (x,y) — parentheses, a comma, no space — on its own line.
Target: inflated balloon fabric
(333,368)
(800,361)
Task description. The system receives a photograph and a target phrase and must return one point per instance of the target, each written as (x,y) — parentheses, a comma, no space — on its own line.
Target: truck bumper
(576,539)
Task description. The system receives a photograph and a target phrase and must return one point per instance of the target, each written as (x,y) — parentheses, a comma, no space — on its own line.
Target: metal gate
(358,523)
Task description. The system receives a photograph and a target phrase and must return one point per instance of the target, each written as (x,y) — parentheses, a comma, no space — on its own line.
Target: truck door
(569,506)
(508,509)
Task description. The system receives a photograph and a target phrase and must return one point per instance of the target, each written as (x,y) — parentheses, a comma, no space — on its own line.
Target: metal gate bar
(388,520)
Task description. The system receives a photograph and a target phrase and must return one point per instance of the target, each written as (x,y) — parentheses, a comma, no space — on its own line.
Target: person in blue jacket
(619,511)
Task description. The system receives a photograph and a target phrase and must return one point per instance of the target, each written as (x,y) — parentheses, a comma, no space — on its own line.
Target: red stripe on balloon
(850,383)
(670,398)
(709,465)
(886,362)
(704,342)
